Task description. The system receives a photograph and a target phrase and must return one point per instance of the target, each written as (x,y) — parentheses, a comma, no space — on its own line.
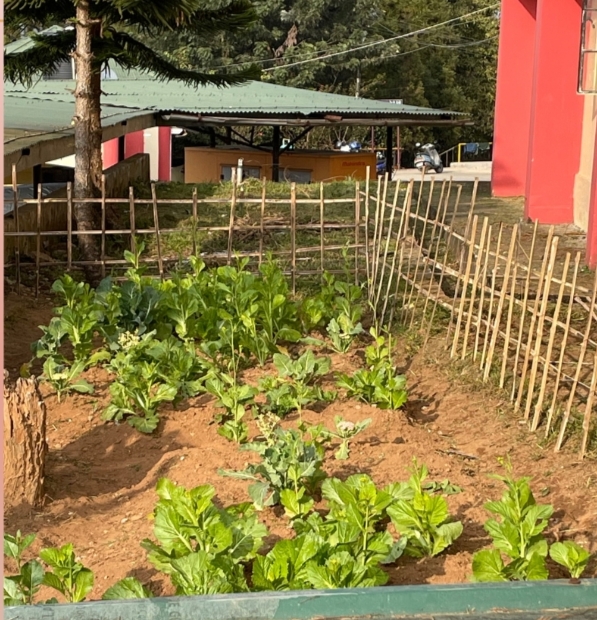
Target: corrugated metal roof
(250,99)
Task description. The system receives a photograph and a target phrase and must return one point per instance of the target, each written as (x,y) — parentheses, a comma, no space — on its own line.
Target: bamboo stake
(293,234)
(399,237)
(380,229)
(475,284)
(508,327)
(261,219)
(367,180)
(465,282)
(195,221)
(387,245)
(357,224)
(406,273)
(103,239)
(15,207)
(492,297)
(38,240)
(534,315)
(321,229)
(133,220)
(503,292)
(539,333)
(552,337)
(581,359)
(375,233)
(69,226)
(422,244)
(563,345)
(232,218)
(482,298)
(443,270)
(586,423)
(524,309)
(443,209)
(158,239)
(469,220)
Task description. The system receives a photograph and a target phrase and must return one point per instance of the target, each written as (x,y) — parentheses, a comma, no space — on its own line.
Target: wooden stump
(25,445)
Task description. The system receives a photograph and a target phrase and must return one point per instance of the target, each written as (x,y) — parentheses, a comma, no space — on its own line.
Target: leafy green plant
(378,384)
(21,589)
(570,555)
(234,399)
(295,385)
(137,394)
(290,471)
(517,535)
(424,519)
(343,330)
(127,588)
(66,379)
(345,431)
(203,548)
(66,575)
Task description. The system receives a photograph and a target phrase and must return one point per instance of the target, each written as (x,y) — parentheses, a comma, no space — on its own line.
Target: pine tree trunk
(88,132)
(25,444)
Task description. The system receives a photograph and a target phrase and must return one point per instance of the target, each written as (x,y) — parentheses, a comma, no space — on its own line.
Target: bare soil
(101,477)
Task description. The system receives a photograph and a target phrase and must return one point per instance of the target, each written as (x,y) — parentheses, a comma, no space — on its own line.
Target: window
(302,177)
(248,172)
(587,82)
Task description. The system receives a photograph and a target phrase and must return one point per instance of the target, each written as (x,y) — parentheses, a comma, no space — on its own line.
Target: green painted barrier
(539,600)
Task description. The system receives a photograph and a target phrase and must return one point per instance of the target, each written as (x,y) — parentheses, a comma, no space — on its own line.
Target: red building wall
(513,97)
(556,115)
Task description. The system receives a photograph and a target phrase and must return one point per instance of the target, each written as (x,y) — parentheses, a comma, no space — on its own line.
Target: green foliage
(295,385)
(21,589)
(344,432)
(126,588)
(423,519)
(518,534)
(290,471)
(66,574)
(201,547)
(346,326)
(570,555)
(234,399)
(378,384)
(66,379)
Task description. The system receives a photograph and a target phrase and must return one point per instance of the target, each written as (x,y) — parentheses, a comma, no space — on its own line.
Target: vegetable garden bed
(189,375)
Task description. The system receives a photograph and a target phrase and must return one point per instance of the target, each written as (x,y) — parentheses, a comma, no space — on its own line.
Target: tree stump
(25,445)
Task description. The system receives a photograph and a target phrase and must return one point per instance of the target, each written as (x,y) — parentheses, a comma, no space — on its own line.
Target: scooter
(428,159)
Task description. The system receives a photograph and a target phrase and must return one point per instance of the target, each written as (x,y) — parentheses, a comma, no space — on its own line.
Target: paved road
(459,176)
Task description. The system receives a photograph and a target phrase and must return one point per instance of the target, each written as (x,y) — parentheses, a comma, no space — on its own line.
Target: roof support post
(276,154)
(389,150)
(36,179)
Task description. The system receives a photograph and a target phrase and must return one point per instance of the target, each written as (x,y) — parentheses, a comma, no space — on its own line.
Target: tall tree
(101,31)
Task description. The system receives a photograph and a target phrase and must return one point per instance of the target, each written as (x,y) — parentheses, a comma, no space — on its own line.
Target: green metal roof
(249,99)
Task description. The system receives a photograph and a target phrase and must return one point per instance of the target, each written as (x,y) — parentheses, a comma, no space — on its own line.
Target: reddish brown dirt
(101,477)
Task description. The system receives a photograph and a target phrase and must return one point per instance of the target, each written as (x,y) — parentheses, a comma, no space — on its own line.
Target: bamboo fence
(522,316)
(427,259)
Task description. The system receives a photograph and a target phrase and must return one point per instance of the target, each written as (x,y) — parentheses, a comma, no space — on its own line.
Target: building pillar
(134,144)
(591,251)
(121,148)
(556,115)
(276,154)
(513,97)
(110,153)
(389,150)
(165,153)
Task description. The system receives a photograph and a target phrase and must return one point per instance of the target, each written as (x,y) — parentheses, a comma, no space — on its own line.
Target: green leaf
(570,555)
(146,424)
(127,588)
(82,386)
(536,570)
(32,576)
(488,566)
(83,585)
(53,581)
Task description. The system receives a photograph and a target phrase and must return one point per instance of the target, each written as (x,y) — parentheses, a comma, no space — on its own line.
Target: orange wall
(204,164)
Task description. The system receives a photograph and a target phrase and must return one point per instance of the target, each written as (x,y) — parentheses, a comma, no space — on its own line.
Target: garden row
(205,549)
(198,332)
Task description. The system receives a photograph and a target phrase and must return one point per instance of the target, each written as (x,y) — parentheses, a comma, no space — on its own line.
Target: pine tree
(100,31)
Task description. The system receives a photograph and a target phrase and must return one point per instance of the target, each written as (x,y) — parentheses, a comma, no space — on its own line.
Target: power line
(368,45)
